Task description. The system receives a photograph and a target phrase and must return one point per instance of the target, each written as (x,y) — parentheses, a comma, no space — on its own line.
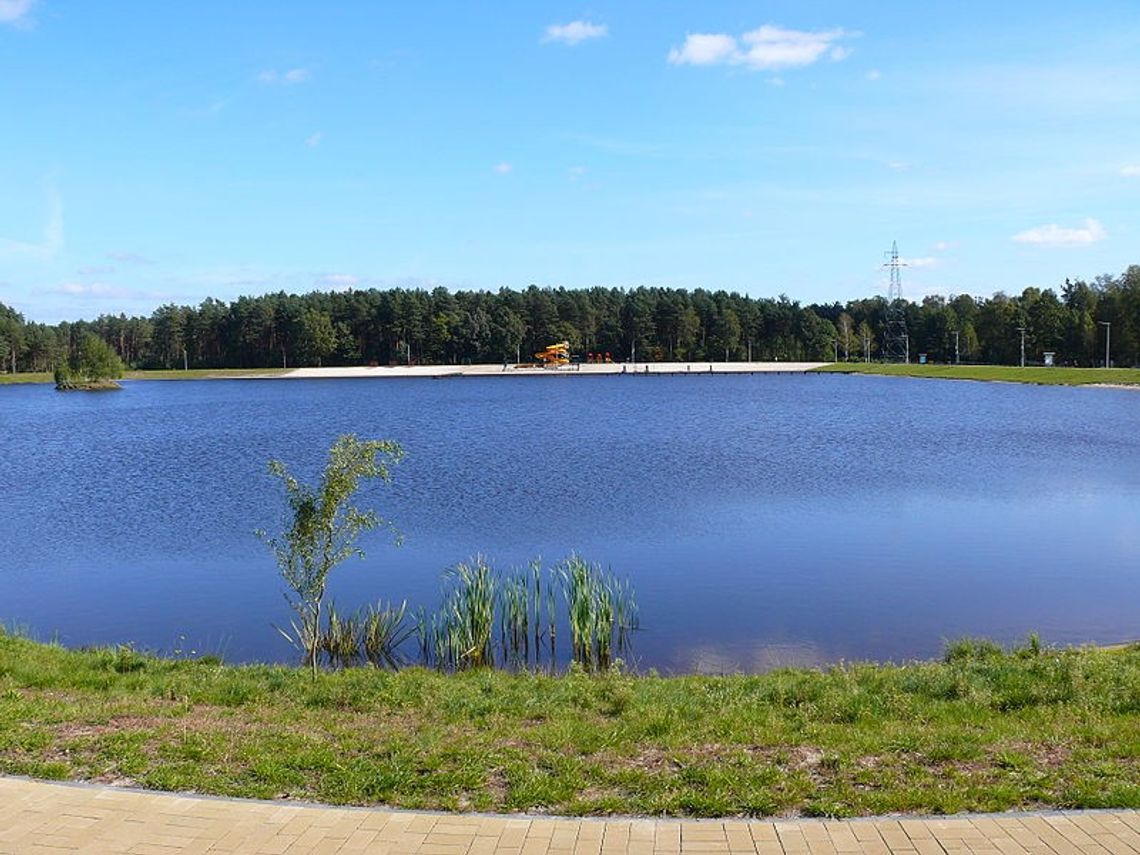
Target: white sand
(568,370)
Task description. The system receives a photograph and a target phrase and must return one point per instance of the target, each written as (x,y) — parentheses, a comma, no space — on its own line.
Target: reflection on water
(710,659)
(764,520)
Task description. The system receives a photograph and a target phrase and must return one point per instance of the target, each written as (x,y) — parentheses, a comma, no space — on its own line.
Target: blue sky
(158,152)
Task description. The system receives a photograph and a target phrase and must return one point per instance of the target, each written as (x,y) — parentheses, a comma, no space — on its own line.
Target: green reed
(600,609)
(514,619)
(488,618)
(460,635)
(382,630)
(340,640)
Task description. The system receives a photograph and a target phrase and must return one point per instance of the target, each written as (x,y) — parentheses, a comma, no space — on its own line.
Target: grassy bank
(1002,373)
(983,730)
(26,377)
(203,373)
(173,374)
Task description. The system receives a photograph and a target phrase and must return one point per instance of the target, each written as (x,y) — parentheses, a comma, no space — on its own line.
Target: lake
(764,520)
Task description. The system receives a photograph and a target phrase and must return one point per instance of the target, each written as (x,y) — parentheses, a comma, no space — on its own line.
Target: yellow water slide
(554,355)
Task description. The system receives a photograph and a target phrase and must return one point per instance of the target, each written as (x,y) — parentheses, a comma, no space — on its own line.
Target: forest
(400,326)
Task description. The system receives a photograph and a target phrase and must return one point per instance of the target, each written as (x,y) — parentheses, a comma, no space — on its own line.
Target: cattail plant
(382,630)
(340,640)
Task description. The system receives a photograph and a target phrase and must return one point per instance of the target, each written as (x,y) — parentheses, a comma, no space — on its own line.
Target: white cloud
(286,78)
(336,281)
(705,49)
(94,271)
(503,168)
(314,139)
(15,11)
(578,172)
(898,165)
(943,245)
(100,291)
(1054,235)
(767,48)
(775,47)
(926,261)
(51,239)
(874,74)
(1130,170)
(574,32)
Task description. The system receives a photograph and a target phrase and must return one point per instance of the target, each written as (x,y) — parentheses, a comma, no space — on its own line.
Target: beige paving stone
(893,835)
(1129,818)
(667,836)
(46,817)
(865,832)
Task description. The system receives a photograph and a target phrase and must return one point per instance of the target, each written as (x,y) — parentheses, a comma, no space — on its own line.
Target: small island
(95,368)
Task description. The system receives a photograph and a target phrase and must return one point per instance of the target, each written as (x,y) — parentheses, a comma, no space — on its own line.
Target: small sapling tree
(324,528)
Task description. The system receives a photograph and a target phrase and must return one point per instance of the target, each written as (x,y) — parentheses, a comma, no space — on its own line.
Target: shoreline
(855,739)
(577,370)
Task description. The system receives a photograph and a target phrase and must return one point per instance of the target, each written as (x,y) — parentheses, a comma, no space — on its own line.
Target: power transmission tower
(896,345)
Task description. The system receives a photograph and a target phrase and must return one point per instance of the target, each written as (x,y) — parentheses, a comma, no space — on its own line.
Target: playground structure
(558,355)
(554,355)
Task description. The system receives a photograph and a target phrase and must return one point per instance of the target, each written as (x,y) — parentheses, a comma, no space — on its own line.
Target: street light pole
(1107,339)
(956,347)
(1022,330)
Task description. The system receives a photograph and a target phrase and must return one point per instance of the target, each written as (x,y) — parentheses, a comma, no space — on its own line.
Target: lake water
(763,519)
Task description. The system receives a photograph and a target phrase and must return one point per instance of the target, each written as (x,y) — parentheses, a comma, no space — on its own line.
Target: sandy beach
(499,370)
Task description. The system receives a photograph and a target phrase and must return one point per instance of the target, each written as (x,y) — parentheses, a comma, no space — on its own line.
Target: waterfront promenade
(576,370)
(37,816)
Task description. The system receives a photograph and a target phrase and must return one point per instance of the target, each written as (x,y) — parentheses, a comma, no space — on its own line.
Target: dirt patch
(1049,756)
(116,724)
(497,786)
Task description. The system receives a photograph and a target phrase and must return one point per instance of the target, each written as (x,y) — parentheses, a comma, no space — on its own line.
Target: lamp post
(1107,339)
(956,347)
(1021,329)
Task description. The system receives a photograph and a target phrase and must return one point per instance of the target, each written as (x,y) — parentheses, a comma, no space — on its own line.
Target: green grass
(1003,373)
(26,377)
(201,373)
(173,374)
(984,730)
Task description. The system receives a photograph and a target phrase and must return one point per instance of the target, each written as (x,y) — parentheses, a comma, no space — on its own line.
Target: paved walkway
(43,817)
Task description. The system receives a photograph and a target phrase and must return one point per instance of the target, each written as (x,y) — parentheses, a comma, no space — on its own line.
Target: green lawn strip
(174,374)
(26,377)
(203,373)
(987,730)
(996,373)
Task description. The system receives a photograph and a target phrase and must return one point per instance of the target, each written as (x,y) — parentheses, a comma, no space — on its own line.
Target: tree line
(401,326)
